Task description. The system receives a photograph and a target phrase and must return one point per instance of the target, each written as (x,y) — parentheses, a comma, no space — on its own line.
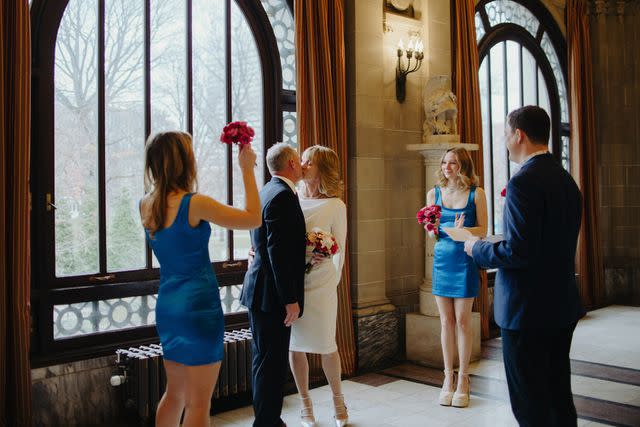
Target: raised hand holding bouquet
(429,216)
(237,133)
(321,244)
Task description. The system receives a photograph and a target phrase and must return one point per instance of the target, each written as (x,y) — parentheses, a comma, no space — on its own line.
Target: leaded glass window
(522,63)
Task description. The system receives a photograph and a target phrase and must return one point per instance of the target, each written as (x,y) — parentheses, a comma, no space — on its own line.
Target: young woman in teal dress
(455,275)
(189,316)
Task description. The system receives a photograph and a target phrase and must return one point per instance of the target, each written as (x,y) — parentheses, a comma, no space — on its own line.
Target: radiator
(141,378)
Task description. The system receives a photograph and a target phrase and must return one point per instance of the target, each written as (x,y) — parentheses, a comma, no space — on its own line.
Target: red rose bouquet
(237,133)
(428,216)
(319,244)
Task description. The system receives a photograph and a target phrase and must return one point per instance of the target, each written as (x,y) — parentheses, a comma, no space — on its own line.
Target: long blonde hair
(328,169)
(466,174)
(169,165)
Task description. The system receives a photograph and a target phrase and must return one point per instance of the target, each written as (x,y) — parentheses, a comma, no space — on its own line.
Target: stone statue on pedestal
(440,108)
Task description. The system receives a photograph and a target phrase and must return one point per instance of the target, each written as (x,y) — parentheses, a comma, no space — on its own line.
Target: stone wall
(76,394)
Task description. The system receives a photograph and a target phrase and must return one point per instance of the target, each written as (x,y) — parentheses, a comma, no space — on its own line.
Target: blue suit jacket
(276,276)
(535,285)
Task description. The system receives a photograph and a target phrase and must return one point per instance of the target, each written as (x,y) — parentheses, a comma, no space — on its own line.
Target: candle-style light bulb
(410,48)
(400,45)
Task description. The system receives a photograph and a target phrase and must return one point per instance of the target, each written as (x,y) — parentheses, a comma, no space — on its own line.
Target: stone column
(423,329)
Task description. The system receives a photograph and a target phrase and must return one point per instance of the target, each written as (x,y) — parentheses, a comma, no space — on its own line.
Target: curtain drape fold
(15,83)
(464,81)
(322,120)
(584,166)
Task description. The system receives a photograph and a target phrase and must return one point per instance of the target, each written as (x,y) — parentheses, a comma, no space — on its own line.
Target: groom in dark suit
(536,301)
(273,288)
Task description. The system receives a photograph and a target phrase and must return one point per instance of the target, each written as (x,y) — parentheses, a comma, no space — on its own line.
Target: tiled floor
(606,385)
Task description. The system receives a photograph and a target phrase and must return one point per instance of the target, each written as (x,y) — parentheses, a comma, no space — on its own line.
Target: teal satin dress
(189,317)
(455,274)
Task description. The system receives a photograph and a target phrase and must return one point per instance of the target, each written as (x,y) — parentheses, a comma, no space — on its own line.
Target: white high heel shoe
(446,397)
(306,413)
(461,400)
(341,417)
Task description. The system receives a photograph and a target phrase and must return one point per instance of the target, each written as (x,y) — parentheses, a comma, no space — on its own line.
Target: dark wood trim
(102,196)
(189,43)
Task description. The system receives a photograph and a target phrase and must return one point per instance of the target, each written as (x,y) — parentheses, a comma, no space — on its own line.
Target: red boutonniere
(237,133)
(503,193)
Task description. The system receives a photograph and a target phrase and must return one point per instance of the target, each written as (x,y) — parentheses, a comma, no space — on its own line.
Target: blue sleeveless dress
(189,317)
(455,274)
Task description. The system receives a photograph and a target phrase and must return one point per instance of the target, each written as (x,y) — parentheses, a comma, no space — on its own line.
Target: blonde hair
(466,174)
(328,169)
(169,165)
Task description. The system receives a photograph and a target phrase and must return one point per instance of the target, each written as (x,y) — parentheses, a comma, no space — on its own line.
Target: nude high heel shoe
(446,396)
(461,400)
(341,417)
(306,413)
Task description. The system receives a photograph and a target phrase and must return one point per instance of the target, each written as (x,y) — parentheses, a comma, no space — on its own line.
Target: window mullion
(102,219)
(147,97)
(229,117)
(189,66)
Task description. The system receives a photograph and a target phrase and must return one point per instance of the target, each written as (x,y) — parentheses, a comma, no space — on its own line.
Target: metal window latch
(104,278)
(231,264)
(50,205)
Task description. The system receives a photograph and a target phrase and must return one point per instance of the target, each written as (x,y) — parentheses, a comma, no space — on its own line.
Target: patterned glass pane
(290,128)
(565,152)
(76,140)
(84,318)
(70,320)
(283,28)
(504,11)
(230,298)
(479,28)
(552,56)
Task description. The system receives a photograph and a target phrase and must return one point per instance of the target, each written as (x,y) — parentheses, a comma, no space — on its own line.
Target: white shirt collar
(289,183)
(532,155)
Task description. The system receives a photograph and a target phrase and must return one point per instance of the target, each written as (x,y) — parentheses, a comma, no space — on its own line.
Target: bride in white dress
(315,331)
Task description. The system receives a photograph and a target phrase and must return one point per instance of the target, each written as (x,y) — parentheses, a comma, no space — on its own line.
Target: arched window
(106,75)
(522,62)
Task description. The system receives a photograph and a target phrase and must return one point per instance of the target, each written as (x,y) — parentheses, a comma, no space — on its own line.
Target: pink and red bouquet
(428,216)
(319,243)
(237,133)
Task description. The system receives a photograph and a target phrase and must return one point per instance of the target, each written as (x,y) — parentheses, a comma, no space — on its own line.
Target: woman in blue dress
(455,275)
(189,316)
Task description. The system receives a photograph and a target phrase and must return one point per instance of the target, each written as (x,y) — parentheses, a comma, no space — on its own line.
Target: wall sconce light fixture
(416,50)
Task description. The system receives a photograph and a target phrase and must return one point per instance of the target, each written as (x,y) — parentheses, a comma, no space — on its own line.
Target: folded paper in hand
(458,234)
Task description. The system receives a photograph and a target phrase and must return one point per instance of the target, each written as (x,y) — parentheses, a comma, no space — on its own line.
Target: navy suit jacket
(535,284)
(276,275)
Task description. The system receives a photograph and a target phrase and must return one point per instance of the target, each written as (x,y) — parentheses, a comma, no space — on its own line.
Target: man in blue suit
(273,288)
(536,300)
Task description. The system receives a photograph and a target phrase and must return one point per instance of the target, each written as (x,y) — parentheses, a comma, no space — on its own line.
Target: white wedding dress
(315,331)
